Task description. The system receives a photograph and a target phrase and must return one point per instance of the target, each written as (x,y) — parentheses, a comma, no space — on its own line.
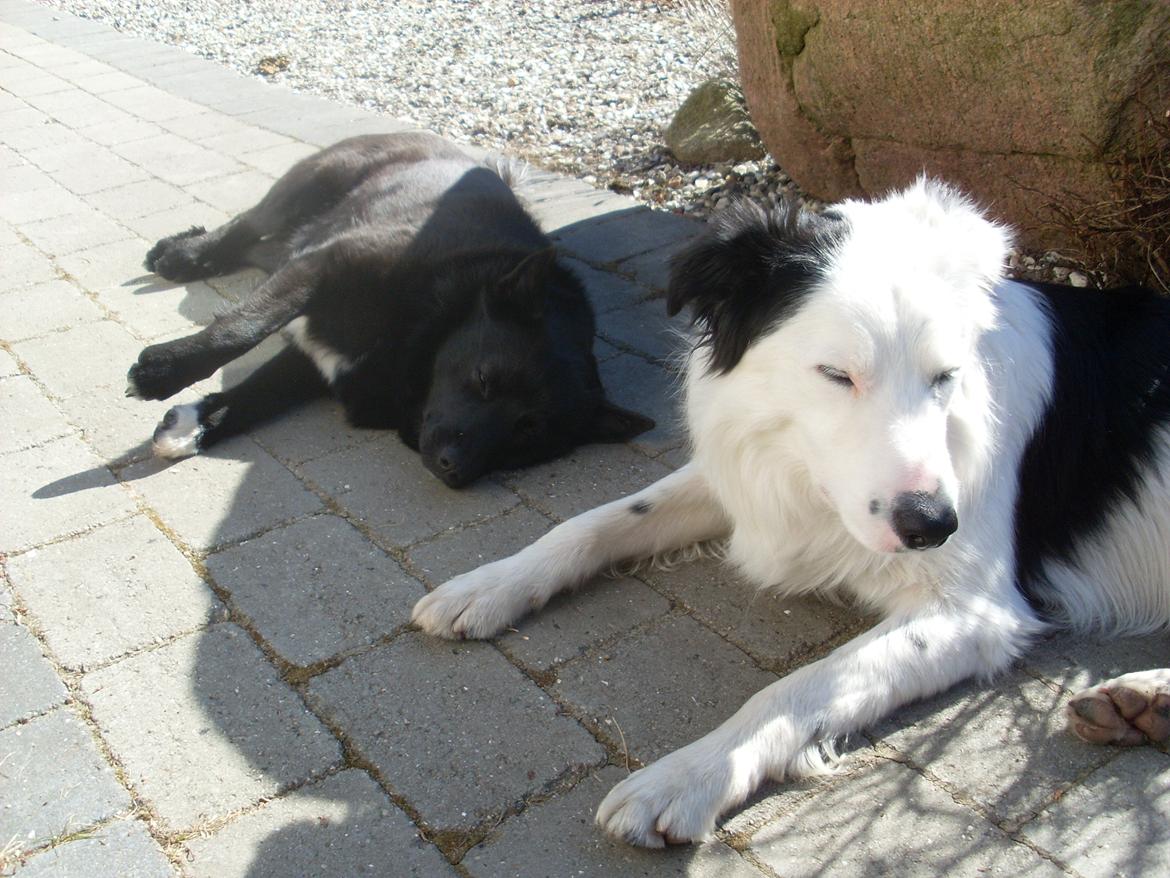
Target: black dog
(424,297)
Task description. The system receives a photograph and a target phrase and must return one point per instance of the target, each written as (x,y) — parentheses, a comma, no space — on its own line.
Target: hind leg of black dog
(280,385)
(261,236)
(164,369)
(197,253)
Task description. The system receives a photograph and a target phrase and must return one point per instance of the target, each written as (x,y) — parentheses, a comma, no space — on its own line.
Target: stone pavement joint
(208,668)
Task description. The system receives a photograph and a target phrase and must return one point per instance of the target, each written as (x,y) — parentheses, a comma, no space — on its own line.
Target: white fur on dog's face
(869,380)
(869,411)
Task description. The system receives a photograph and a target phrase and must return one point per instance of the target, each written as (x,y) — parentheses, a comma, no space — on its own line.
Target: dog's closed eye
(837,376)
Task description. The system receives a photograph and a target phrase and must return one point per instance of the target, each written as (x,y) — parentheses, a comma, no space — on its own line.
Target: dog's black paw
(155,375)
(177,258)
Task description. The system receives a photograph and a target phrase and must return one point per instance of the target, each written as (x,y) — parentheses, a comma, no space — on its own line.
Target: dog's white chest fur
(329,362)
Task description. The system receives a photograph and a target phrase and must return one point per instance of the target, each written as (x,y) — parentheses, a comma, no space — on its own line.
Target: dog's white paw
(476,605)
(676,799)
(177,434)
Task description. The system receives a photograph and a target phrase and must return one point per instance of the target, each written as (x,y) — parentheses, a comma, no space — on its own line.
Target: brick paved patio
(205,668)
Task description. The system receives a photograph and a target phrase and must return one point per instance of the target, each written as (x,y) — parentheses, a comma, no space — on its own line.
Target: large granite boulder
(1019,103)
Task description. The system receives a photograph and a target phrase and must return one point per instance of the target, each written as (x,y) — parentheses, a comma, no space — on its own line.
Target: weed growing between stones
(1126,238)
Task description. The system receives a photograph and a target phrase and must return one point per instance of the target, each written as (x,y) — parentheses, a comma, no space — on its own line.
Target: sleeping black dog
(414,286)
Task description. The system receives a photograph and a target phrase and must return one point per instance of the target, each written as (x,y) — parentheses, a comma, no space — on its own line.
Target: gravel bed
(585,87)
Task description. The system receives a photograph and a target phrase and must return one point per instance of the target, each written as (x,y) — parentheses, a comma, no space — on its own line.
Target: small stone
(1078,279)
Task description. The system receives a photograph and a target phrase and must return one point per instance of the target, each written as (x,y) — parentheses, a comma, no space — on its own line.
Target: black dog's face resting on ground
(414,287)
(509,389)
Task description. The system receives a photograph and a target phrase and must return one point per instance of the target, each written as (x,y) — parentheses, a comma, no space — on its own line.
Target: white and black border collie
(875,410)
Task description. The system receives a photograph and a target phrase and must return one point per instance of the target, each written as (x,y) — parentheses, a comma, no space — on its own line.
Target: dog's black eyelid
(837,376)
(944,377)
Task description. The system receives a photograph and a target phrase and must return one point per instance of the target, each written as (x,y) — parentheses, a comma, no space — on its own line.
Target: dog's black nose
(923,521)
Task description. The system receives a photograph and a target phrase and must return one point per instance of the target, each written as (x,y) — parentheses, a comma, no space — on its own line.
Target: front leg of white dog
(675,511)
(679,797)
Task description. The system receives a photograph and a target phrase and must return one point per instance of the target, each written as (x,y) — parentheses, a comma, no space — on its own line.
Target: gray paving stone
(77,109)
(1004,746)
(100,267)
(890,821)
(384,484)
(115,589)
(646,328)
(46,202)
(206,125)
(1114,823)
(46,307)
(652,390)
(564,204)
(27,132)
(24,265)
(104,83)
(138,199)
(310,432)
(275,160)
(35,84)
(233,491)
(585,478)
(774,629)
(452,727)
(49,56)
(5,603)
(240,140)
(623,234)
(155,309)
(1077,661)
(606,289)
(29,685)
(54,780)
(116,427)
(234,193)
(317,121)
(207,708)
(643,689)
(344,825)
(467,548)
(82,71)
(8,365)
(23,178)
(123,849)
(80,228)
(92,168)
(83,359)
(124,132)
(176,160)
(26,417)
(316,588)
(569,624)
(150,103)
(53,490)
(167,222)
(19,118)
(559,838)
(653,268)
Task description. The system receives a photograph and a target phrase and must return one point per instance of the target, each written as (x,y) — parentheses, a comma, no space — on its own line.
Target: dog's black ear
(615,424)
(521,293)
(751,272)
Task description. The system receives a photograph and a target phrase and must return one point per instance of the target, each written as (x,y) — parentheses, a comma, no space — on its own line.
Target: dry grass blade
(1126,238)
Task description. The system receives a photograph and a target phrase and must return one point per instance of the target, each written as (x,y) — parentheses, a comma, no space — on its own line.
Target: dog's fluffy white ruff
(798,471)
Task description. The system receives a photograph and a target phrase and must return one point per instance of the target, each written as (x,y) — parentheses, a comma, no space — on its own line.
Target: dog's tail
(511,170)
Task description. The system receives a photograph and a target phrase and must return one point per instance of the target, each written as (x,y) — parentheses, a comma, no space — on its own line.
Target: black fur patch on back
(750,274)
(1111,353)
